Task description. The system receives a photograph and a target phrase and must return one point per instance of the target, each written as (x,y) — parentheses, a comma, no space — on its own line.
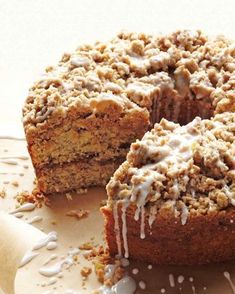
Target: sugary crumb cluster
(181,169)
(137,67)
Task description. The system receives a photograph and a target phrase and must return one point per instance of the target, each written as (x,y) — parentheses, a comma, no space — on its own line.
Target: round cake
(172,200)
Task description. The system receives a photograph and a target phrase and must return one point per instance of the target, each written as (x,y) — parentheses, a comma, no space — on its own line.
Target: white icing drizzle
(172,280)
(117,229)
(22,157)
(52,281)
(52,257)
(126,285)
(109,271)
(57,267)
(142,223)
(124,229)
(193,289)
(163,290)
(51,245)
(180,279)
(52,270)
(28,257)
(18,214)
(184,214)
(152,215)
(23,208)
(191,279)
(228,277)
(142,191)
(35,219)
(175,155)
(9,161)
(52,236)
(150,266)
(142,285)
(229,194)
(135,271)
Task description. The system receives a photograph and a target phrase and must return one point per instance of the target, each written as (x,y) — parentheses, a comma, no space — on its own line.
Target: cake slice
(81,145)
(172,201)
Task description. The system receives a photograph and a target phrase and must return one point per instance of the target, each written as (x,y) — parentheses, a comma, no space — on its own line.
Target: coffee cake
(82,115)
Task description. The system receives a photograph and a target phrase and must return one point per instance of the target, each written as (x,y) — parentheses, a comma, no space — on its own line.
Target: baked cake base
(203,239)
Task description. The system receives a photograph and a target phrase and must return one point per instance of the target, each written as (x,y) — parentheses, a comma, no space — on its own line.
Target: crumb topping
(136,68)
(188,169)
(36,197)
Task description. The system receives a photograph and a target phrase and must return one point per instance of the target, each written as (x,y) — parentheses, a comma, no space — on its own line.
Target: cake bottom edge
(203,239)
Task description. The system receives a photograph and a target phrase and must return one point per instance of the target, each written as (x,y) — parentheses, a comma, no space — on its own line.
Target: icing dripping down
(172,280)
(180,279)
(22,157)
(124,229)
(184,214)
(142,223)
(117,229)
(228,277)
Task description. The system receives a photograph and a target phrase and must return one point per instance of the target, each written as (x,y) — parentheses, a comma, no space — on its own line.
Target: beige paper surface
(73,232)
(16,238)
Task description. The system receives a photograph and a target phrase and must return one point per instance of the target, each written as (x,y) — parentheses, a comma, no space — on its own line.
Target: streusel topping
(138,67)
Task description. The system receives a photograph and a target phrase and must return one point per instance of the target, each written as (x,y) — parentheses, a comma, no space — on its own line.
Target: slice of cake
(172,201)
(82,115)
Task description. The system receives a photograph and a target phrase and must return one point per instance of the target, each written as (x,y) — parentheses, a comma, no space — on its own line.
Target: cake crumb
(86,246)
(85,272)
(36,197)
(79,214)
(69,196)
(15,183)
(3,193)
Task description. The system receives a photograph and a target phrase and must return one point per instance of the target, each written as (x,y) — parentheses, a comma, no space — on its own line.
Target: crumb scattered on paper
(3,193)
(85,272)
(36,196)
(15,183)
(79,214)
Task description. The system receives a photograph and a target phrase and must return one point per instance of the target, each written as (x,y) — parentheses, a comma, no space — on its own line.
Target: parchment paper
(73,232)
(16,238)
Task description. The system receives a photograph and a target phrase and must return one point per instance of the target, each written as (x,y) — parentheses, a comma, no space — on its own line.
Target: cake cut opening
(180,109)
